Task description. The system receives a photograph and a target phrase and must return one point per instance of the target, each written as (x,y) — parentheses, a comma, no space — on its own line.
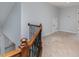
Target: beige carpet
(61,44)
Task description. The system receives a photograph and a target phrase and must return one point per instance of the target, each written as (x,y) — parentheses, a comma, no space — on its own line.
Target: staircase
(31,47)
(5,44)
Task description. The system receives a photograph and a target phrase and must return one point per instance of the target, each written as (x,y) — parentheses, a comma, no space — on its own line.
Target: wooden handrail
(36,36)
(32,40)
(12,53)
(23,49)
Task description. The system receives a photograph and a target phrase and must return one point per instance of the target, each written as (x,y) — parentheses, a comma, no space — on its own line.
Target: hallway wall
(12,25)
(37,13)
(68,19)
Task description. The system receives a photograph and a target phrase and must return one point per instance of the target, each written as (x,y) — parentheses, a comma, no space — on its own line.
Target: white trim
(68,31)
(47,34)
(59,30)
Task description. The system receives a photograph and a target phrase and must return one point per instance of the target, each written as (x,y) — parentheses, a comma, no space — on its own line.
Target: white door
(54,25)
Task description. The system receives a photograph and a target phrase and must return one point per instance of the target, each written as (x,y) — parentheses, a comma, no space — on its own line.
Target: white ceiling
(64,4)
(5,8)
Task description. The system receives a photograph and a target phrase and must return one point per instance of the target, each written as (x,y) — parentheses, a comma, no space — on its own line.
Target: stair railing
(28,47)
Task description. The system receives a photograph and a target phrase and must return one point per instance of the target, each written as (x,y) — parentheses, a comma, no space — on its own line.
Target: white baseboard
(47,34)
(68,31)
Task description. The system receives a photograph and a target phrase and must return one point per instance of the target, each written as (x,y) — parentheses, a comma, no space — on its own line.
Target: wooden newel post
(24,48)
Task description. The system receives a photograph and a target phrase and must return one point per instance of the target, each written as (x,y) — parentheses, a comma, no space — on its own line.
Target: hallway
(61,44)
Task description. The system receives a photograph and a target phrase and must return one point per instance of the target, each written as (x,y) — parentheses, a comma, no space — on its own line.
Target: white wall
(12,25)
(68,20)
(5,7)
(37,13)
